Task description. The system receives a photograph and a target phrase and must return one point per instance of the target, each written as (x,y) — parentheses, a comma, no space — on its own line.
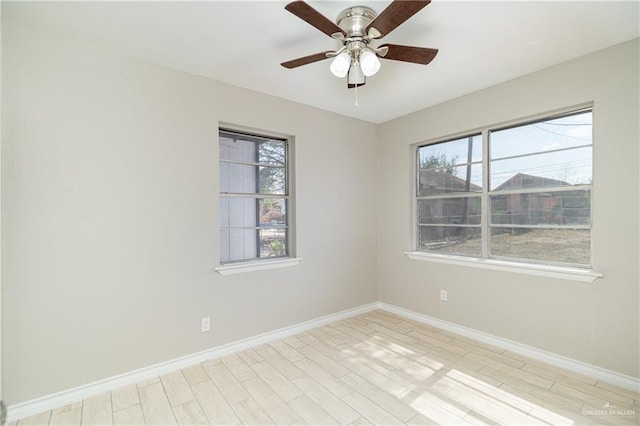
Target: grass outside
(557,245)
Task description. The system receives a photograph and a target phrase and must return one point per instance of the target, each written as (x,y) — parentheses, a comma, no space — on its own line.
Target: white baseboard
(49,402)
(608,376)
(60,399)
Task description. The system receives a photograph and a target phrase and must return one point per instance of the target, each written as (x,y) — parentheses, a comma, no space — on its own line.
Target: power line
(562,134)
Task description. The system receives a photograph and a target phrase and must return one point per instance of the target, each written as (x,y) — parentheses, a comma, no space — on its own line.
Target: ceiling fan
(355,28)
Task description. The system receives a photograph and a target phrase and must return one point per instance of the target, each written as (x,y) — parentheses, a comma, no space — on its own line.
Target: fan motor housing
(355,20)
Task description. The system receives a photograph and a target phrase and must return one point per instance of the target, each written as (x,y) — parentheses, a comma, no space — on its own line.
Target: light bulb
(340,65)
(369,62)
(356,76)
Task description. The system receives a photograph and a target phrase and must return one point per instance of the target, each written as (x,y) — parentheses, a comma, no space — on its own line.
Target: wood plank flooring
(376,368)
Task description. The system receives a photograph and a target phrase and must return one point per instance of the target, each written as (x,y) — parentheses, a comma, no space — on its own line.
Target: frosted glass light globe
(340,65)
(369,62)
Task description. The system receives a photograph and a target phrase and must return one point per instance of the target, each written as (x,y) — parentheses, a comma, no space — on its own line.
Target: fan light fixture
(347,62)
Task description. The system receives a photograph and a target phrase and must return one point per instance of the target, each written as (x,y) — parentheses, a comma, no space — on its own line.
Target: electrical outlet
(443,295)
(205,324)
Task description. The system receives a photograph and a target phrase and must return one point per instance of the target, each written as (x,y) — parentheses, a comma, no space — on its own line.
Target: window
(525,196)
(449,196)
(255,200)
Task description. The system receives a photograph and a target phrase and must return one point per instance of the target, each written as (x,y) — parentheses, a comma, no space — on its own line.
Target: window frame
(469,194)
(261,263)
(579,272)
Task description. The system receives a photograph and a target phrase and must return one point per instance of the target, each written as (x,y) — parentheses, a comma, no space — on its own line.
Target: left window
(255,197)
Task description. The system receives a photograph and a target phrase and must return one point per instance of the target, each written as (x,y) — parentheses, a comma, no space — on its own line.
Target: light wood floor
(376,368)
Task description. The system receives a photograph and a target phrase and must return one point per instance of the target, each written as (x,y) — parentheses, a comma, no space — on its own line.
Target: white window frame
(568,272)
(267,263)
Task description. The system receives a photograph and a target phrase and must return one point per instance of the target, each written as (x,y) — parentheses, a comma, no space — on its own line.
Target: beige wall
(110,215)
(596,323)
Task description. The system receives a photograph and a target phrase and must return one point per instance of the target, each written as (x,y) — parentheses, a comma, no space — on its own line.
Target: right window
(525,196)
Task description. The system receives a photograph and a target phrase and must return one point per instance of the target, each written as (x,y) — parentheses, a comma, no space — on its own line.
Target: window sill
(242,268)
(565,273)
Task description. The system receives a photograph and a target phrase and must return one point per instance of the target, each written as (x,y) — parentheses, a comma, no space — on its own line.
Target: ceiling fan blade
(395,14)
(294,63)
(416,55)
(308,14)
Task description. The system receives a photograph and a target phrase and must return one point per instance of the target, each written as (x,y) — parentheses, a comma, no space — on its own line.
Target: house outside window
(449,191)
(255,199)
(518,193)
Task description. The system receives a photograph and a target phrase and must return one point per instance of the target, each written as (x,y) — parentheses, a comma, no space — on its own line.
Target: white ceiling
(481,44)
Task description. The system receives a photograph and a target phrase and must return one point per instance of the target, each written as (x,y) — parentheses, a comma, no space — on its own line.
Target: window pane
(249,179)
(273,212)
(273,242)
(562,168)
(552,245)
(272,152)
(238,212)
(273,180)
(238,178)
(465,241)
(238,245)
(542,208)
(557,133)
(252,149)
(450,153)
(234,148)
(464,211)
(455,179)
